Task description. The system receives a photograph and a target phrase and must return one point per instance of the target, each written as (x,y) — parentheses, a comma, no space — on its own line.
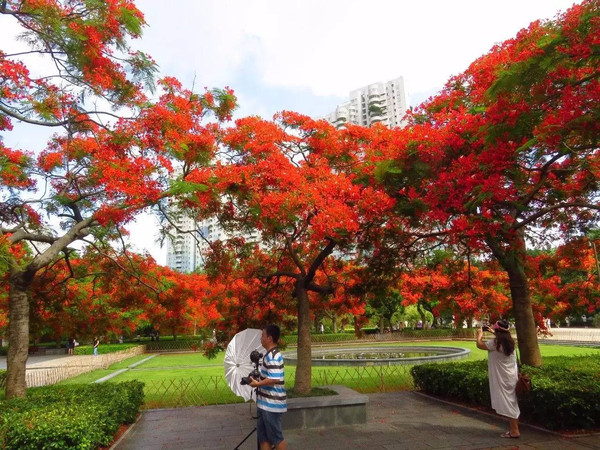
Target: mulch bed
(120,432)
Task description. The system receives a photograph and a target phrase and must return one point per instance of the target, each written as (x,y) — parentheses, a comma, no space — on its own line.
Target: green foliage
(170,344)
(186,187)
(69,416)
(465,381)
(565,391)
(2,379)
(103,348)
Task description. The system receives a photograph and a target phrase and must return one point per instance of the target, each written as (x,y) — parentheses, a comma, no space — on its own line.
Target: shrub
(565,393)
(69,416)
(2,379)
(170,344)
(103,349)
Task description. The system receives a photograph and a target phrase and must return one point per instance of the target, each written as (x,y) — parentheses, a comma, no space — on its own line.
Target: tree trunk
(302,384)
(18,335)
(524,321)
(512,260)
(422,314)
(358,332)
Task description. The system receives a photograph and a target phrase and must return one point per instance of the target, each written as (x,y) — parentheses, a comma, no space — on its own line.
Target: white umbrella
(237,360)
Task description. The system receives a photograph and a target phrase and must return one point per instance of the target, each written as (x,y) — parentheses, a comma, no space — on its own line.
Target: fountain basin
(380,356)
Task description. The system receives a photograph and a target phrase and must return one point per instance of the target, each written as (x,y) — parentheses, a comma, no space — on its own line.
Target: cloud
(326,47)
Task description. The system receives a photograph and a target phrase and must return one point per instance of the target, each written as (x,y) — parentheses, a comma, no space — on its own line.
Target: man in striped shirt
(271,397)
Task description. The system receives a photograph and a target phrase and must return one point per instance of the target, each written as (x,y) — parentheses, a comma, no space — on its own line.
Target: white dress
(503,375)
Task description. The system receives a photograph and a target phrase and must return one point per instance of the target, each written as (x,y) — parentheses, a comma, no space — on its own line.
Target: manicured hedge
(69,417)
(565,392)
(103,348)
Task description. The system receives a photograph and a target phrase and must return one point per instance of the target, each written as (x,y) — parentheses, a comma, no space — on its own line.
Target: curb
(118,441)
(120,371)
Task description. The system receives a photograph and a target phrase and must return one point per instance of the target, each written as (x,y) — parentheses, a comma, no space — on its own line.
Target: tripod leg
(249,434)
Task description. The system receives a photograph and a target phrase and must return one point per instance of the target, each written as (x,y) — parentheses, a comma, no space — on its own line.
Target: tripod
(254,429)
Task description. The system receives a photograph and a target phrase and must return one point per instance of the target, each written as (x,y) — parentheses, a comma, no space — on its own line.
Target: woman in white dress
(503,374)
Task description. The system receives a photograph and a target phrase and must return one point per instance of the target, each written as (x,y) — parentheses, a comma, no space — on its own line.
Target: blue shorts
(268,427)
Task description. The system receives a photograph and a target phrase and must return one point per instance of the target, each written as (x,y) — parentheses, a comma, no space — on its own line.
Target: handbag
(523,386)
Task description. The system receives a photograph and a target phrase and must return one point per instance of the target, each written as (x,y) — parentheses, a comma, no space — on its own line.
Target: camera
(255,357)
(486,328)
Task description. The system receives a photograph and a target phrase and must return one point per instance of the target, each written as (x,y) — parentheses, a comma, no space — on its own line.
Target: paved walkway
(396,420)
(47,361)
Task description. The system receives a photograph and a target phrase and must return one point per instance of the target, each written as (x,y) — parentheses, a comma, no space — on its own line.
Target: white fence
(591,335)
(42,376)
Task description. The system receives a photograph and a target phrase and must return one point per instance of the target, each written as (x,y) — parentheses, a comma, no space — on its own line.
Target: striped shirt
(272,398)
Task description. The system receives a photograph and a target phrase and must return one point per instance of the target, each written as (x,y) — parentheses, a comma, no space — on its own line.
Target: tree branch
(544,211)
(328,250)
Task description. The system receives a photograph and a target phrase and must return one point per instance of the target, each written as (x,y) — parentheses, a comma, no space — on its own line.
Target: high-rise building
(191,240)
(376,103)
(182,254)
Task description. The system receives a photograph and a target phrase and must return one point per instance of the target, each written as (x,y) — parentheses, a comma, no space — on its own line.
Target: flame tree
(101,167)
(508,151)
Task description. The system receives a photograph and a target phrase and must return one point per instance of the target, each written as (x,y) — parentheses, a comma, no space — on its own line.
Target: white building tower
(376,103)
(182,255)
(186,250)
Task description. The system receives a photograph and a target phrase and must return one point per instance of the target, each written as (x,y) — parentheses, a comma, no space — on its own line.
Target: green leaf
(186,187)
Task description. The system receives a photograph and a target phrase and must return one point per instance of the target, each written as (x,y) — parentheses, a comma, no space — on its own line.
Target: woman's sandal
(510,436)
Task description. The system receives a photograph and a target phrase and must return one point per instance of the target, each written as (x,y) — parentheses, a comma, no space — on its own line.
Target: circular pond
(380,356)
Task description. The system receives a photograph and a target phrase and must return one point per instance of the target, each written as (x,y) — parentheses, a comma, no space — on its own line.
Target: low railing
(42,376)
(173,345)
(202,391)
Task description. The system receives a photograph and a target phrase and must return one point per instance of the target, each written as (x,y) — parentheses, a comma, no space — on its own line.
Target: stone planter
(347,408)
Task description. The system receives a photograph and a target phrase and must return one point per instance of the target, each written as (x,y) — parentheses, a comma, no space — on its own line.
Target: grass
(197,360)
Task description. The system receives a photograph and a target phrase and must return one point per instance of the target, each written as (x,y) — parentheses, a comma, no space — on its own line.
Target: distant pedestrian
(503,374)
(96,345)
(71,346)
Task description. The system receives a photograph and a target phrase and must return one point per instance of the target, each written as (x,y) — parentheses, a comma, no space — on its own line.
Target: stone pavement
(395,420)
(34,362)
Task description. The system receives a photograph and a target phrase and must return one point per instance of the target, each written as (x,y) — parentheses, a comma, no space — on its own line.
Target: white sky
(307,56)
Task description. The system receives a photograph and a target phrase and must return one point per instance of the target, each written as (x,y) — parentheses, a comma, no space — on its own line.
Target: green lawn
(197,360)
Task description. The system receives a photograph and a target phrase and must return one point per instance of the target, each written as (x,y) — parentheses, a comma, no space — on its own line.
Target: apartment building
(185,252)
(379,102)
